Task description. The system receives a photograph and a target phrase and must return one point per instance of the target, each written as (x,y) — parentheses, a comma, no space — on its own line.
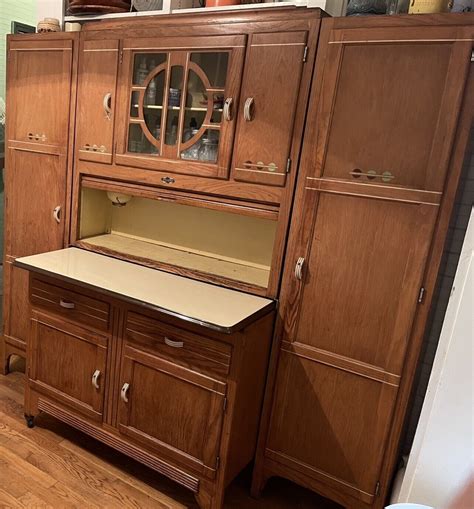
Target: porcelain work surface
(204,303)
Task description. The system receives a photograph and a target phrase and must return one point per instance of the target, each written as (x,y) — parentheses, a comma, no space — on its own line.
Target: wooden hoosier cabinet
(390,113)
(151,175)
(170,195)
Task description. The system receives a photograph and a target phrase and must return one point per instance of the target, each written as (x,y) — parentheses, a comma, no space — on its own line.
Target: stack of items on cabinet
(223,235)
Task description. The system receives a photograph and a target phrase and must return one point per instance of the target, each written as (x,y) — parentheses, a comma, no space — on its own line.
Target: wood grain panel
(335,432)
(263,140)
(362,281)
(97,78)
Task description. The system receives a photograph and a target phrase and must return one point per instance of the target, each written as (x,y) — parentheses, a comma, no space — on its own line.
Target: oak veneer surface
(54,465)
(206,304)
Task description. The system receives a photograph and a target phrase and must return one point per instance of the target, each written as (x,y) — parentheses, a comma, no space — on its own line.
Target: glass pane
(144,63)
(174,102)
(153,104)
(218,104)
(196,106)
(214,64)
(134,104)
(205,149)
(138,143)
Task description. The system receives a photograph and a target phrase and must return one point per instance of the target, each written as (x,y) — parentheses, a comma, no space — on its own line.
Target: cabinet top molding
(210,306)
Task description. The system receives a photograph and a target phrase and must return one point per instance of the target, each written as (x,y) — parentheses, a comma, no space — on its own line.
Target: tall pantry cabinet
(37,155)
(373,196)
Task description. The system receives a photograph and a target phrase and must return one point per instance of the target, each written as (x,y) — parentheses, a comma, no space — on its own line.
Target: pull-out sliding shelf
(208,305)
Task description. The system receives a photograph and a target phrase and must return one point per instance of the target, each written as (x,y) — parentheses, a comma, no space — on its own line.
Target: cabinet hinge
(225,404)
(421,295)
(472,55)
(288,165)
(121,57)
(305,54)
(377,488)
(218,462)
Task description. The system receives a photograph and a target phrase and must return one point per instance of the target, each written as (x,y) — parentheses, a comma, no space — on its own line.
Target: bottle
(142,73)
(151,92)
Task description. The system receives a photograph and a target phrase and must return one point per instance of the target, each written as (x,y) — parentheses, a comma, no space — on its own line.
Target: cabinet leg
(207,500)
(259,480)
(30,420)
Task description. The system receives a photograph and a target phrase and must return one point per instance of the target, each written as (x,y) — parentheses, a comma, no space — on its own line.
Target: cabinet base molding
(186,480)
(273,468)
(11,346)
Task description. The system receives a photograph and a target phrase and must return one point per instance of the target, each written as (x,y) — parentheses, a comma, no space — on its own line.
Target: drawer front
(70,304)
(177,345)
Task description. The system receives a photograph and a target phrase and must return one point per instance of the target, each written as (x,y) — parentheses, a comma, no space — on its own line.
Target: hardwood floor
(53,465)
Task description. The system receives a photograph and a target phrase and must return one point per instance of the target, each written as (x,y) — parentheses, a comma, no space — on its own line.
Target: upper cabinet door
(269,98)
(179,96)
(391,98)
(96,100)
(39,101)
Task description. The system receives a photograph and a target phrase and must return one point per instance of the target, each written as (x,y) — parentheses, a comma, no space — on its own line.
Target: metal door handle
(57,214)
(95,379)
(66,304)
(299,268)
(174,344)
(228,109)
(124,392)
(248,109)
(107,103)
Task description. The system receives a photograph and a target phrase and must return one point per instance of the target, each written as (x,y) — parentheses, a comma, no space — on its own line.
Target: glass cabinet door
(180,104)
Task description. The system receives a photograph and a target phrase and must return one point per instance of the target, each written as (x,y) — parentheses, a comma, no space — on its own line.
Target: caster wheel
(30,421)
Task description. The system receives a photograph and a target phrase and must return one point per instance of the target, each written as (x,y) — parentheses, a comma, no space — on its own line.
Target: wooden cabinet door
(96,100)
(67,363)
(179,96)
(38,93)
(269,97)
(389,105)
(171,409)
(359,244)
(39,74)
(35,196)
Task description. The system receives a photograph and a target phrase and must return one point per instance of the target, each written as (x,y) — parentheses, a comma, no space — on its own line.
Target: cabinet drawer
(177,345)
(70,304)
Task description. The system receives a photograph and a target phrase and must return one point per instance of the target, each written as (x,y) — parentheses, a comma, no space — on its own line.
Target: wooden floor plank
(54,465)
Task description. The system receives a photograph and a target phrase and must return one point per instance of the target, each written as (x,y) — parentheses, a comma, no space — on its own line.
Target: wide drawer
(177,345)
(70,304)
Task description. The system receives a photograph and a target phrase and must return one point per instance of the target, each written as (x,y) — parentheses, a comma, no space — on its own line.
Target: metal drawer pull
(248,109)
(299,268)
(228,109)
(95,379)
(174,344)
(66,304)
(124,392)
(168,180)
(57,214)
(107,103)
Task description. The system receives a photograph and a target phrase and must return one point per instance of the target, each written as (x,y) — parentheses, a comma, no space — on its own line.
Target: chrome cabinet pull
(95,379)
(67,304)
(37,137)
(174,344)
(57,214)
(299,268)
(107,103)
(248,109)
(228,109)
(124,392)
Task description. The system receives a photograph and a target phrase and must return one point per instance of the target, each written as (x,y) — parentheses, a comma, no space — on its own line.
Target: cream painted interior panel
(96,213)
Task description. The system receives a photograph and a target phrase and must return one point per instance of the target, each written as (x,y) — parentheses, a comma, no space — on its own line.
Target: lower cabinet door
(330,424)
(67,364)
(171,409)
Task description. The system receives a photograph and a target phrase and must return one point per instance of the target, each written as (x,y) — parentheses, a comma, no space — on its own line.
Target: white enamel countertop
(209,305)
